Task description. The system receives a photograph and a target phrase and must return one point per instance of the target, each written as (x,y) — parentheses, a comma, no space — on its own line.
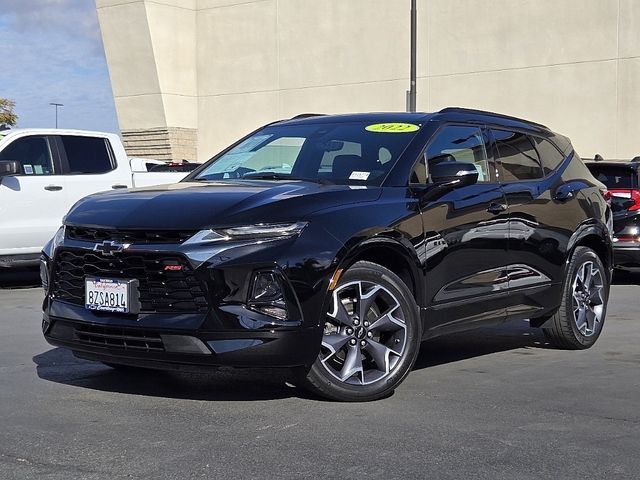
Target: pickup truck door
(33,203)
(91,165)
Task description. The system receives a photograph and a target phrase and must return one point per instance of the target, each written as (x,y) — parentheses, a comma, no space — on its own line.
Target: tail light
(606,194)
(632,195)
(635,196)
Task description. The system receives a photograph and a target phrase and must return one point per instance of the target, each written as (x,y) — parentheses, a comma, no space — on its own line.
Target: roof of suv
(446,114)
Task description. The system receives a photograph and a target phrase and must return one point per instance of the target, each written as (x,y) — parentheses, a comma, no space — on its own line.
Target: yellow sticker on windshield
(392,127)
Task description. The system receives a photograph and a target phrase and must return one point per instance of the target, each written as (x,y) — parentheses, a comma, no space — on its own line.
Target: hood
(197,205)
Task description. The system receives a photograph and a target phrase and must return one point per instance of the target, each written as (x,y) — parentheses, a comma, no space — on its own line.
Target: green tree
(8,117)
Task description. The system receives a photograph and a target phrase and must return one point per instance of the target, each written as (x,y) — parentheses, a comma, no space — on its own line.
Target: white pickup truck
(43,172)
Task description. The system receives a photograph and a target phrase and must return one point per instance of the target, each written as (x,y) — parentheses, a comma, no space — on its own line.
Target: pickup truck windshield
(342,153)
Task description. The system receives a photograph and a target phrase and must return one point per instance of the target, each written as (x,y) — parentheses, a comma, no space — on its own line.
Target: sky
(51,51)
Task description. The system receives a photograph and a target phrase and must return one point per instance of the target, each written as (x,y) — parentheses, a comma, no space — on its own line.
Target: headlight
(261,231)
(44,273)
(50,248)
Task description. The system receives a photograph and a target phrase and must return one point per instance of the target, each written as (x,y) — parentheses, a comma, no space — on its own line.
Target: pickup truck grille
(128,236)
(167,282)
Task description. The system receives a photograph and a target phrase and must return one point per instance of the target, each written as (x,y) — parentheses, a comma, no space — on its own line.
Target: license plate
(108,294)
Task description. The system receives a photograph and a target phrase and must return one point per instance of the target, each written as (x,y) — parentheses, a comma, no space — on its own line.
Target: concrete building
(190,76)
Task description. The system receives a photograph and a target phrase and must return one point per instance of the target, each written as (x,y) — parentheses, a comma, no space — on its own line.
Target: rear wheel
(371,336)
(578,322)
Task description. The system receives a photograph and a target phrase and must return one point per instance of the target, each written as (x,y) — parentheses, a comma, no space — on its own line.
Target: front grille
(128,236)
(161,290)
(116,337)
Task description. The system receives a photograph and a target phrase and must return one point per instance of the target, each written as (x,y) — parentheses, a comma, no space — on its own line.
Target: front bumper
(225,330)
(170,348)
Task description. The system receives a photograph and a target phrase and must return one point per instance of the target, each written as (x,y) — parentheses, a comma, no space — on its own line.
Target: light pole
(57,105)
(411,94)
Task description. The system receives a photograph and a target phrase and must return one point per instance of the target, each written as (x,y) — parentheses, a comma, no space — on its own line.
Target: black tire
(562,328)
(319,378)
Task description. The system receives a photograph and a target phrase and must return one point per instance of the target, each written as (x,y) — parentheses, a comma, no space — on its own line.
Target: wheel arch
(597,239)
(594,237)
(392,254)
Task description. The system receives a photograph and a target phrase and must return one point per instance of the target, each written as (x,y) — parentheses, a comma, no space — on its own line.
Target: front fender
(396,250)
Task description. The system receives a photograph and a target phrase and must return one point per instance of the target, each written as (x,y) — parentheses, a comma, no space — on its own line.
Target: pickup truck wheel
(371,336)
(578,322)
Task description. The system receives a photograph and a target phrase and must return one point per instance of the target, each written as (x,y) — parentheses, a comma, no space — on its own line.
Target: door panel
(539,225)
(466,250)
(31,204)
(466,244)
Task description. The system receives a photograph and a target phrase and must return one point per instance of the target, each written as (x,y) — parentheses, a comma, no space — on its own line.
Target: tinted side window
(549,155)
(462,144)
(87,154)
(33,153)
(614,177)
(518,157)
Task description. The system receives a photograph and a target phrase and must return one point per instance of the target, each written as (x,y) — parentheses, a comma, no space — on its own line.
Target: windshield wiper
(268,176)
(283,176)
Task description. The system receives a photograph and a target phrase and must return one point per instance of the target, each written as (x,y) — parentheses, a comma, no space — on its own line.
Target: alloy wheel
(587,299)
(365,333)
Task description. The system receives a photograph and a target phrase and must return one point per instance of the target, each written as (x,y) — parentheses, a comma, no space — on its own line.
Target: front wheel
(371,336)
(578,322)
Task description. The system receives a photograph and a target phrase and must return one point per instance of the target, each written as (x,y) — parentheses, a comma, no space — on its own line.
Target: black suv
(334,245)
(621,179)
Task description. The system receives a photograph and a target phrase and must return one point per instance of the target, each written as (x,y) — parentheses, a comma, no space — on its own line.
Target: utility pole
(57,105)
(411,94)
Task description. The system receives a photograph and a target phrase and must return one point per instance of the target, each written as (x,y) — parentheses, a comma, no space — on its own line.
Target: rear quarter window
(550,156)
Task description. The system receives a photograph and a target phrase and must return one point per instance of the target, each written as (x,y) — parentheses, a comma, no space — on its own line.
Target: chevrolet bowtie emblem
(108,248)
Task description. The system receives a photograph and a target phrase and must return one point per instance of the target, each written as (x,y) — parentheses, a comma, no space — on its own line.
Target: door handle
(53,188)
(563,194)
(118,186)
(496,208)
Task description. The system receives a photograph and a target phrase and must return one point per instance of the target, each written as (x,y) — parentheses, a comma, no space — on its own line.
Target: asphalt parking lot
(494,403)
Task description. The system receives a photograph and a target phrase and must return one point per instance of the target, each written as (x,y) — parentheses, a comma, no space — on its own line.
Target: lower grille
(167,283)
(116,337)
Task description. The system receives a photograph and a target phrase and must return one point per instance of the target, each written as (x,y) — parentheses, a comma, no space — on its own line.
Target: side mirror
(453,174)
(9,168)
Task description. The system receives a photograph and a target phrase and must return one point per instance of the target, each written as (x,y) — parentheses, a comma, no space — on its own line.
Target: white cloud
(51,51)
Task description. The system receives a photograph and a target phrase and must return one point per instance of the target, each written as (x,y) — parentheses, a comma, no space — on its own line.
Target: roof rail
(491,114)
(307,115)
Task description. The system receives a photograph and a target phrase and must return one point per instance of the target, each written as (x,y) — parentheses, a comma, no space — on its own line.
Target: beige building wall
(194,75)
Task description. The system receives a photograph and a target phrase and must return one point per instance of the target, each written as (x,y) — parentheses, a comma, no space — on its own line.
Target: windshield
(343,153)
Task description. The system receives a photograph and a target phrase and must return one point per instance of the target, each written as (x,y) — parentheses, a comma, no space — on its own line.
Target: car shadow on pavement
(516,335)
(19,277)
(61,366)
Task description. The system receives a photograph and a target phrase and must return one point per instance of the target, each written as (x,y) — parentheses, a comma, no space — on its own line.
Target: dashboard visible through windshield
(342,153)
